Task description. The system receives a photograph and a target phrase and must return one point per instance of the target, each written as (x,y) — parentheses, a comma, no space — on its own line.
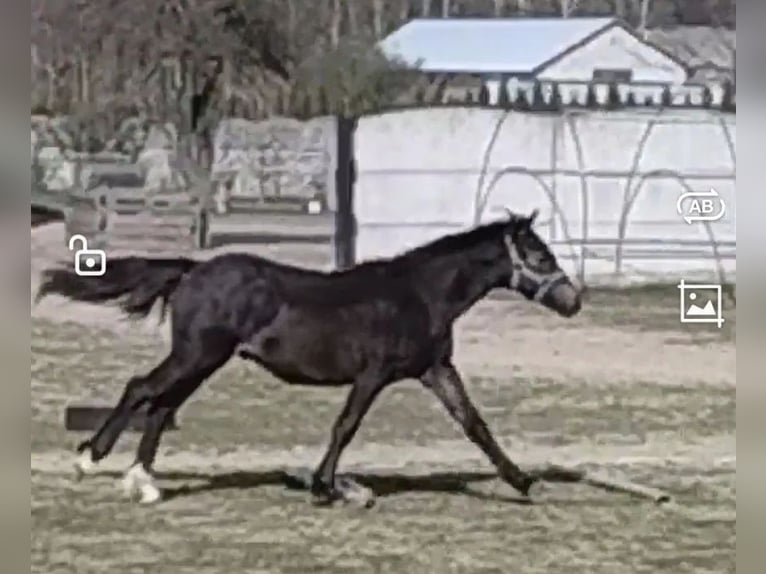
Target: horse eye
(537,259)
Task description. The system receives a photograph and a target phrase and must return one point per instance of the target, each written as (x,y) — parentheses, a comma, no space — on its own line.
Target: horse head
(534,270)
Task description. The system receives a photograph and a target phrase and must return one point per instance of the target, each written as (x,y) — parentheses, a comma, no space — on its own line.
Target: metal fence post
(345,222)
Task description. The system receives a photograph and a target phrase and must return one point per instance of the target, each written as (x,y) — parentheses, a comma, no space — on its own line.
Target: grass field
(622,387)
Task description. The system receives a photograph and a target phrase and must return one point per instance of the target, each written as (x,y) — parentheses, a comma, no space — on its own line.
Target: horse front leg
(324,486)
(445,382)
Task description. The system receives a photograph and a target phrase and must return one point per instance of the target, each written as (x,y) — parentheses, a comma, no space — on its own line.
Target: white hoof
(139,484)
(355,493)
(84,465)
(149,494)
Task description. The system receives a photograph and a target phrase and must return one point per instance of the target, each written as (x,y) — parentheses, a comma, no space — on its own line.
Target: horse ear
(533,216)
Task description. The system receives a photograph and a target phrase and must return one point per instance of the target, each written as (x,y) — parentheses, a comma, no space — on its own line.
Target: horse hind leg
(138,482)
(137,391)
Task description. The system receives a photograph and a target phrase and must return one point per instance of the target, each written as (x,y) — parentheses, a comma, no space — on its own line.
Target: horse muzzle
(561,296)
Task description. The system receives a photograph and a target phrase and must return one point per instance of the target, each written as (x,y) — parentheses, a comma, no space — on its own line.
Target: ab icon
(87,262)
(701,206)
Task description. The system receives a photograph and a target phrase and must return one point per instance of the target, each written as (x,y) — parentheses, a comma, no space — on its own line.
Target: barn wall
(425,173)
(615,49)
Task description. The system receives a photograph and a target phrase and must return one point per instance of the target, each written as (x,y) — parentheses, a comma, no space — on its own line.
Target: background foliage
(113,59)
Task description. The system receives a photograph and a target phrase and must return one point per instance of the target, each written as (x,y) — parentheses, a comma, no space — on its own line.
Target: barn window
(611,75)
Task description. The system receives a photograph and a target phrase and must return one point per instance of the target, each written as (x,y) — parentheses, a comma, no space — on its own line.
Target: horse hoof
(325,497)
(83,466)
(527,483)
(347,491)
(137,484)
(355,493)
(322,501)
(150,494)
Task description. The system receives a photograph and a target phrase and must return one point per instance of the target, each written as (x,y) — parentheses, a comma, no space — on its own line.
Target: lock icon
(87,262)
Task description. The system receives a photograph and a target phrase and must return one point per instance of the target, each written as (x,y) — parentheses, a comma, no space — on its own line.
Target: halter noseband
(544,282)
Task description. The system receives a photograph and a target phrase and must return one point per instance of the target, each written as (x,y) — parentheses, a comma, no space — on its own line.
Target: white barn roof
(511,45)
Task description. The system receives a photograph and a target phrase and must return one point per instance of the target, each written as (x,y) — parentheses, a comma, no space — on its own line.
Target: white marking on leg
(138,482)
(84,464)
(128,483)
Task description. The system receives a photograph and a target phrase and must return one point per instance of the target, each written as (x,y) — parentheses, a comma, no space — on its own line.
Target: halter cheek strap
(544,282)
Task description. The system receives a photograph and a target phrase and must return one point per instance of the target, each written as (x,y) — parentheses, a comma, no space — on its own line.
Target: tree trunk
(404,10)
(446,8)
(353,20)
(335,22)
(377,18)
(425,8)
(51,96)
(292,22)
(567,7)
(643,18)
(84,79)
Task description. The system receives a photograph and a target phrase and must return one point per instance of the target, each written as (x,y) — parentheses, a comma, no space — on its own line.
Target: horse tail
(138,281)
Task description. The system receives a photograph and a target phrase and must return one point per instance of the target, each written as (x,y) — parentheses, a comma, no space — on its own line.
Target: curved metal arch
(584,188)
(687,188)
(627,201)
(479,198)
(520,170)
(729,141)
(629,198)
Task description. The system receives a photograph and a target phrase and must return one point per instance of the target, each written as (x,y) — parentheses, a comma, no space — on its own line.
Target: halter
(544,282)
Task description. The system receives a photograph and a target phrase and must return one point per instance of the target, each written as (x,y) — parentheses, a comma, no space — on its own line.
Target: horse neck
(456,283)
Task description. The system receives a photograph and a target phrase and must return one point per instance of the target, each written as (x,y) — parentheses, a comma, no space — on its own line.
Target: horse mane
(446,245)
(371,276)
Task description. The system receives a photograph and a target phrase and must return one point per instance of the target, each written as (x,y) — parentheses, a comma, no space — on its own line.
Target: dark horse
(367,327)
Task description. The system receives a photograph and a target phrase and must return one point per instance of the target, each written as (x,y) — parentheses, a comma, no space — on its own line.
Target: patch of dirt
(497,339)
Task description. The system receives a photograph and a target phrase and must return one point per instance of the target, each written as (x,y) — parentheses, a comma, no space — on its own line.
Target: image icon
(700,303)
(87,262)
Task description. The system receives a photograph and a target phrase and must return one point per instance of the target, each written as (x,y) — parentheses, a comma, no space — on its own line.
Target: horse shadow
(382,485)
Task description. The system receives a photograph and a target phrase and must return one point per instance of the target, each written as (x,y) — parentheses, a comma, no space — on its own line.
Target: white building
(551,49)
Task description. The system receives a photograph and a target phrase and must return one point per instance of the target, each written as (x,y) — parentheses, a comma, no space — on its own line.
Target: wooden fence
(131,219)
(249,219)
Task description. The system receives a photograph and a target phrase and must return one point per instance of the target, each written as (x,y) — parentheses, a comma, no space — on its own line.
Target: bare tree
(106,56)
(643,17)
(523,6)
(378,7)
(567,7)
(353,17)
(404,10)
(620,8)
(336,19)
